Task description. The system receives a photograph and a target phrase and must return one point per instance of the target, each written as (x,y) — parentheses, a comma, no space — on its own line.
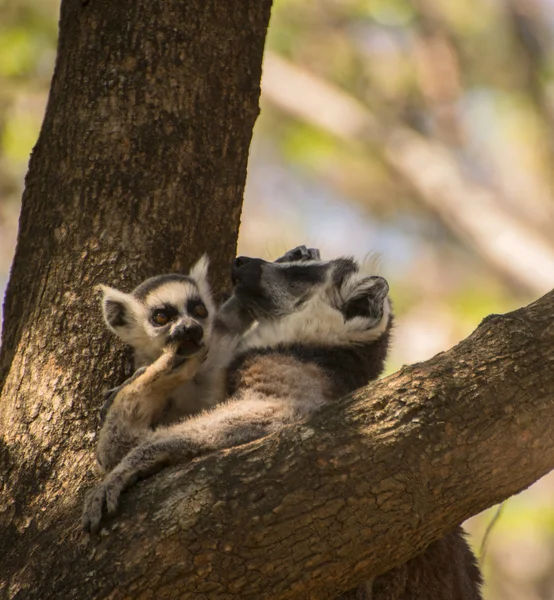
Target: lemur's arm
(228,425)
(138,403)
(110,395)
(257,409)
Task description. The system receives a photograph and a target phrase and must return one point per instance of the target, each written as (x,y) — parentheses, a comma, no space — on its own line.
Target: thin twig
(493,521)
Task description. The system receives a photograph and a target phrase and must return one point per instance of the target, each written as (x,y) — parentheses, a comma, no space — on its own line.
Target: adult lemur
(321,330)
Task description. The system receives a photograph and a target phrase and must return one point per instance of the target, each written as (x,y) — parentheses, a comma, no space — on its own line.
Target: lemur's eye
(200,311)
(197,308)
(160,317)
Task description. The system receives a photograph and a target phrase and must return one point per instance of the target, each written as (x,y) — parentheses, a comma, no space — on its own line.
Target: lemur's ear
(119,310)
(200,274)
(365,298)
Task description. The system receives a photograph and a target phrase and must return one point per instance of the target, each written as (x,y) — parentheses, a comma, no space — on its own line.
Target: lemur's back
(338,369)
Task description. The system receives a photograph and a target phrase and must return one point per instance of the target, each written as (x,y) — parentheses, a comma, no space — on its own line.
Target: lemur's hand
(143,461)
(171,369)
(158,380)
(104,496)
(300,253)
(179,360)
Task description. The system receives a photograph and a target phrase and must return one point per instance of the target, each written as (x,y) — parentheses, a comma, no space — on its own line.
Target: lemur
(171,320)
(168,321)
(320,330)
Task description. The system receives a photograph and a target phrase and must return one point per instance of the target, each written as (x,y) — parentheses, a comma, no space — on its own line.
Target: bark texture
(139,169)
(313,510)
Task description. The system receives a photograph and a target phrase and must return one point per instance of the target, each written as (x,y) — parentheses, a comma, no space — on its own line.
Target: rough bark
(311,511)
(139,169)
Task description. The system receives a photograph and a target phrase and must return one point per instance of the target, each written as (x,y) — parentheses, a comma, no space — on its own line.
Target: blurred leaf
(19,135)
(390,12)
(307,145)
(17,52)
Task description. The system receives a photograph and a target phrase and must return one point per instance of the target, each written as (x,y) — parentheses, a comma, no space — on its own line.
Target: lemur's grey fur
(314,331)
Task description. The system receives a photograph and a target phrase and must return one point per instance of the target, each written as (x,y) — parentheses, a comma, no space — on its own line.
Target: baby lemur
(296,334)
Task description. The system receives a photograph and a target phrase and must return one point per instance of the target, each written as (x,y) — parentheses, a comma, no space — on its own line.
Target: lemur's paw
(298,254)
(103,498)
(197,358)
(183,370)
(170,370)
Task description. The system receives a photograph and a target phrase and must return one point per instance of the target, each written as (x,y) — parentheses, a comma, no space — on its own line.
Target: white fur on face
(175,293)
(138,332)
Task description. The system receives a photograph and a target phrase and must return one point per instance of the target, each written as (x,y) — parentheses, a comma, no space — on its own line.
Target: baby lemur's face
(165,311)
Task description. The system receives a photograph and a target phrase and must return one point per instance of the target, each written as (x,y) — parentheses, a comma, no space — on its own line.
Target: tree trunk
(139,169)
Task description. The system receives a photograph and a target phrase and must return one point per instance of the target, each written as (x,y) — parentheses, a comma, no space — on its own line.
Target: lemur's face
(334,300)
(164,311)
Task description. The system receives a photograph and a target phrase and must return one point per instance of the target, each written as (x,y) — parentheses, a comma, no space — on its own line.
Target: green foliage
(307,145)
(19,136)
(17,53)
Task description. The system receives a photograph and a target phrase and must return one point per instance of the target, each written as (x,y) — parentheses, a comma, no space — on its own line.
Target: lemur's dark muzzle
(247,271)
(187,338)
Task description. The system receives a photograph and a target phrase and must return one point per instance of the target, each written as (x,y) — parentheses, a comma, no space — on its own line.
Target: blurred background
(422,130)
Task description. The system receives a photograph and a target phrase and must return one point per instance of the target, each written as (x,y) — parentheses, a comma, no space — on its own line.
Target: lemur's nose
(192,333)
(246,270)
(240,261)
(188,339)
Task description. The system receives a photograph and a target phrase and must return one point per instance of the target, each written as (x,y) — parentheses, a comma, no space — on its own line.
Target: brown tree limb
(311,511)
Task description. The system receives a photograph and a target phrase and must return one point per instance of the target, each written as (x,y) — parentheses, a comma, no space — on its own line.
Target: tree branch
(363,486)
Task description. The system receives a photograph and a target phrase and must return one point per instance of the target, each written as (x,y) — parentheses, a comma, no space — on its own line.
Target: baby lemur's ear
(200,274)
(120,312)
(365,298)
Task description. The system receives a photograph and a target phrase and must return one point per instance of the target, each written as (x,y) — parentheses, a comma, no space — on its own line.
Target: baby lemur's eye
(160,317)
(201,311)
(198,309)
